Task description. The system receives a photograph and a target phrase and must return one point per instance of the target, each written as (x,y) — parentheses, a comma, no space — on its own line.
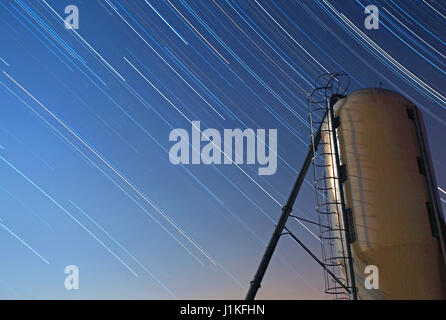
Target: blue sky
(85,176)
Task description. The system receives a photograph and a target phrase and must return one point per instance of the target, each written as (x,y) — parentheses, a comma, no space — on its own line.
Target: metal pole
(431,182)
(286,210)
(319,261)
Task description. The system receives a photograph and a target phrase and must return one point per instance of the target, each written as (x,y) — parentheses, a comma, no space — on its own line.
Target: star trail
(85,176)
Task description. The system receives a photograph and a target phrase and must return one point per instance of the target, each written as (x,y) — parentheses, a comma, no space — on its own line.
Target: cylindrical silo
(391,194)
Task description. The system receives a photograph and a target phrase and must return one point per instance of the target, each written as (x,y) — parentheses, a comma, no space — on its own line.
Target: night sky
(85,176)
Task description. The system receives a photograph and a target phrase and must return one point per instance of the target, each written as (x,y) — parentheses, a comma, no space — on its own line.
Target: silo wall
(388,192)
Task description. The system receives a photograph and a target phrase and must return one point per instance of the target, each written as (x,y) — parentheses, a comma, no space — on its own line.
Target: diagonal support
(286,210)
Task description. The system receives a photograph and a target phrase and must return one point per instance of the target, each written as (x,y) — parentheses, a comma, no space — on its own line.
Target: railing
(328,179)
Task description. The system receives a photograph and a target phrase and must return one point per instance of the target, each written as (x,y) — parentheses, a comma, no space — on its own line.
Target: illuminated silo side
(390,189)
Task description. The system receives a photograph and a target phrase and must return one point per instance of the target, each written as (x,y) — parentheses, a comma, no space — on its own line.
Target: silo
(390,192)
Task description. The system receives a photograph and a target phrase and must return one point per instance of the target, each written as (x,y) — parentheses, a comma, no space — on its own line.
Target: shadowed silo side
(397,225)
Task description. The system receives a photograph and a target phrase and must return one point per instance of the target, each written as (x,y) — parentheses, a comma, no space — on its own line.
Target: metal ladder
(329,175)
(344,288)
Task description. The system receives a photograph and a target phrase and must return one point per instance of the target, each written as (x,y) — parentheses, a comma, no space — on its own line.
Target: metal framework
(322,124)
(335,220)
